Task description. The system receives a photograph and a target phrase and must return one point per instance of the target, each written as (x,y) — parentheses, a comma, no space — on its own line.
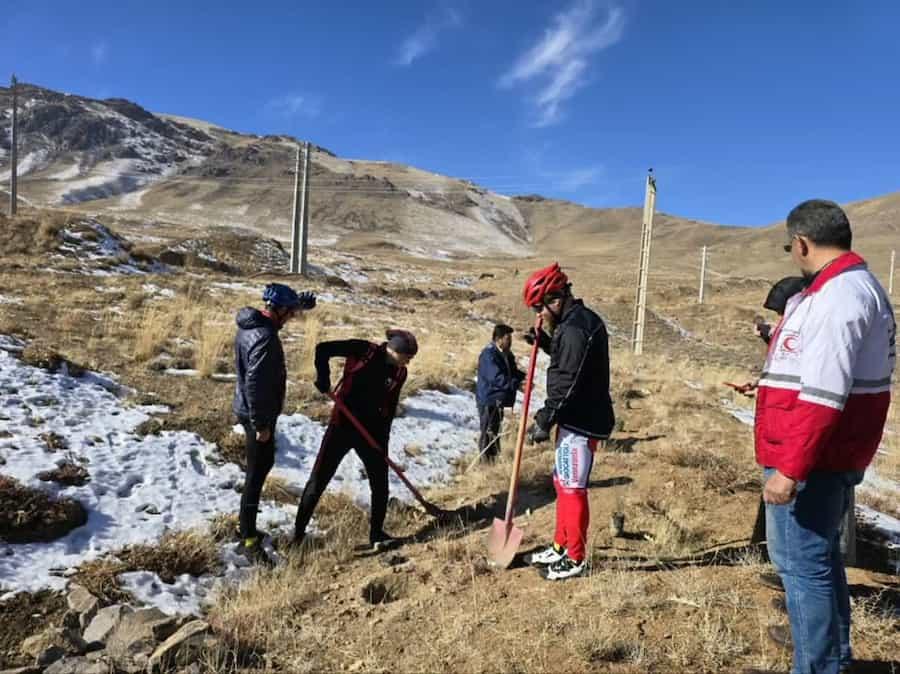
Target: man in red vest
(820,413)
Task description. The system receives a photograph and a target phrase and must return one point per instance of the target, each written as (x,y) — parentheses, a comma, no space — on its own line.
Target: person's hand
(536,434)
(307,300)
(529,336)
(263,435)
(323,383)
(779,489)
(762,330)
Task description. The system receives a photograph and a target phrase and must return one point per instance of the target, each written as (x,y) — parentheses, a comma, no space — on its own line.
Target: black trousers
(491,417)
(337,442)
(260,459)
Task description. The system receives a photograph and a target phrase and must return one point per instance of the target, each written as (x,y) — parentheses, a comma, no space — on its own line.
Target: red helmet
(543,282)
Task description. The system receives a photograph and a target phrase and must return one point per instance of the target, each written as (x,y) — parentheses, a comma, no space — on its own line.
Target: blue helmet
(280,295)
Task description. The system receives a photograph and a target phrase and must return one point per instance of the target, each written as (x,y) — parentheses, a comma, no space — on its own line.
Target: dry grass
(32,515)
(151,334)
(176,553)
(212,344)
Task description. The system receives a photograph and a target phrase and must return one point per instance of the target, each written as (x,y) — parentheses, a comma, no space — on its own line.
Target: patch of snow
(236,286)
(67,173)
(742,414)
(11,344)
(180,373)
(10,299)
(462,282)
(175,472)
(31,162)
(156,291)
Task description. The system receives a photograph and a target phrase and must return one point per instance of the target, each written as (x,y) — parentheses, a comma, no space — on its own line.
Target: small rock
(106,620)
(79,665)
(138,632)
(179,648)
(357,666)
(52,644)
(21,670)
(83,603)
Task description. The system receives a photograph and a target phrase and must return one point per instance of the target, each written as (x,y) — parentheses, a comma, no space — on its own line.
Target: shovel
(341,407)
(505,538)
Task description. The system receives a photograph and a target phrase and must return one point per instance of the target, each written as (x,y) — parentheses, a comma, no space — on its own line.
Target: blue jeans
(804,545)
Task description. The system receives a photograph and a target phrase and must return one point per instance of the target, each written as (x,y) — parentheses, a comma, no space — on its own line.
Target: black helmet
(782,291)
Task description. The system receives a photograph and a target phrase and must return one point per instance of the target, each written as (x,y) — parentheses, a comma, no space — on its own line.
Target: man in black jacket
(578,403)
(498,380)
(370,388)
(259,397)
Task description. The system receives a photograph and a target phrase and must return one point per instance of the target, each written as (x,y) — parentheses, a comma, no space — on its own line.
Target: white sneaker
(564,568)
(549,555)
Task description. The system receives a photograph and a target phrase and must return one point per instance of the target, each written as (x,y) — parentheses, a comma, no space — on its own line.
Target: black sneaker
(564,568)
(383,541)
(252,550)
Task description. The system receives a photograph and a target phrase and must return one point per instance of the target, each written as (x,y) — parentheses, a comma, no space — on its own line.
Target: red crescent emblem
(790,344)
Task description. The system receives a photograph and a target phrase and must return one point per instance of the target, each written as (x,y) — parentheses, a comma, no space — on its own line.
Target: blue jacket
(498,377)
(261,373)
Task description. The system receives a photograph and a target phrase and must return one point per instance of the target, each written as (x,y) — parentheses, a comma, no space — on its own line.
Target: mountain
(114,156)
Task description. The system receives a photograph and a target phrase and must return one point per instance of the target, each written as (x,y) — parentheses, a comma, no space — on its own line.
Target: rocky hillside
(114,156)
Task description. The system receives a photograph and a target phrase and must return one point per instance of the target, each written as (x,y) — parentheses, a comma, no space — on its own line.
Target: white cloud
(99,52)
(295,105)
(574,179)
(425,37)
(559,60)
(564,179)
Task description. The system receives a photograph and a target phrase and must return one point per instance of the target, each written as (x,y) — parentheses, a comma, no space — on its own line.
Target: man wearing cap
(578,403)
(498,380)
(370,388)
(820,412)
(259,397)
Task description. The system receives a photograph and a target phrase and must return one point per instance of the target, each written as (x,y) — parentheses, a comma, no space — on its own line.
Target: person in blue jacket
(498,381)
(259,397)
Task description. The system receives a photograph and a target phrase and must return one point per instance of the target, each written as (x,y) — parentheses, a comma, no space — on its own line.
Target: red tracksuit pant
(574,460)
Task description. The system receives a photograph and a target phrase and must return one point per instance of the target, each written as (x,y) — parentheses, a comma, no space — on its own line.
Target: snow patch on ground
(10,299)
(175,472)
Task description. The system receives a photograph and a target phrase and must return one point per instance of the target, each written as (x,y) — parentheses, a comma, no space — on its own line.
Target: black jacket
(498,377)
(370,385)
(261,372)
(578,377)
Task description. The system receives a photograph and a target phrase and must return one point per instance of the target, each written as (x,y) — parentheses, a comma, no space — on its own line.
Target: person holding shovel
(259,397)
(498,380)
(370,391)
(578,403)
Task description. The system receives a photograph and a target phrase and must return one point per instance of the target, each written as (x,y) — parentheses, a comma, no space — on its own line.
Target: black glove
(323,383)
(536,434)
(542,419)
(529,336)
(307,301)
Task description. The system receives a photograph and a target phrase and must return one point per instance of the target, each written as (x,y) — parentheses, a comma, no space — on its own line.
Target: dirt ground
(677,592)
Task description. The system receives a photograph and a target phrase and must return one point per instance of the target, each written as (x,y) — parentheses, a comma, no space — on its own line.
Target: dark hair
(501,330)
(822,222)
(782,291)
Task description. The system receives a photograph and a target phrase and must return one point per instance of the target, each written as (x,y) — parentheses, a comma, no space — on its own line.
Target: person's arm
(517,374)
(342,348)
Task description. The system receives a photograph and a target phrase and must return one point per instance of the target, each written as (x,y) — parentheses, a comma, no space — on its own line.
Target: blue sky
(743,109)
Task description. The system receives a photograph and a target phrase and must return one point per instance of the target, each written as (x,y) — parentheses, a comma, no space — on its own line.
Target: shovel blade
(503,542)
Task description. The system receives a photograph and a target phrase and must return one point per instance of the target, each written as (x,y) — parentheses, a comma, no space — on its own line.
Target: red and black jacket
(370,385)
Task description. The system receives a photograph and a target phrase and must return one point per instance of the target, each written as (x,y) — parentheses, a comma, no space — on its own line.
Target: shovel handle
(523,422)
(341,407)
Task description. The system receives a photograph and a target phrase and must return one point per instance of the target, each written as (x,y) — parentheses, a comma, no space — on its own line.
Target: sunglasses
(788,247)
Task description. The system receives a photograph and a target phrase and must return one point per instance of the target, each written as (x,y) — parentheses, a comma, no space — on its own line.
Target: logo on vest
(790,344)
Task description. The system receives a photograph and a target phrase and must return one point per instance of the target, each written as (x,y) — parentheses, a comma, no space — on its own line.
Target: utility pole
(640,303)
(702,275)
(13,153)
(300,229)
(891,277)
